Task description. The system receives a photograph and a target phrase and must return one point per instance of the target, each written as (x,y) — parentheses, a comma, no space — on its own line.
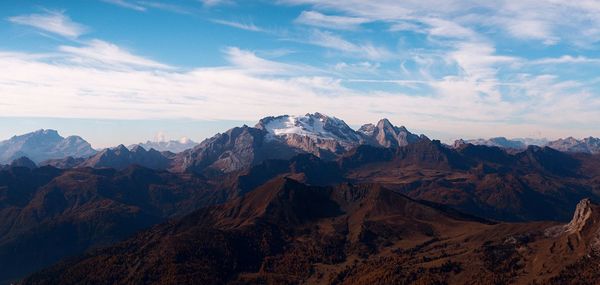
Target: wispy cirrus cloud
(336,42)
(248,26)
(166,7)
(145,5)
(249,61)
(55,22)
(566,59)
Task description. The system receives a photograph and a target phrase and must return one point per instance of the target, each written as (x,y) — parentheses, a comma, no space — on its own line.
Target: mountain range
(173,146)
(303,199)
(570,144)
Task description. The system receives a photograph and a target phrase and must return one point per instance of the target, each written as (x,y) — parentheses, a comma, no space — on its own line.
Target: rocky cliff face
(585,226)
(385,134)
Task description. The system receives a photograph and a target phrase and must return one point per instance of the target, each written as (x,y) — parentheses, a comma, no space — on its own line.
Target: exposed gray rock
(387,135)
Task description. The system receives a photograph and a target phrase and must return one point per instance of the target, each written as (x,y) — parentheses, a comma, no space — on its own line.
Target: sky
(127,71)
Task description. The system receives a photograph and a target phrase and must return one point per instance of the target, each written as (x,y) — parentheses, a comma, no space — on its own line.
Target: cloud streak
(55,22)
(101,53)
(333,41)
(239,25)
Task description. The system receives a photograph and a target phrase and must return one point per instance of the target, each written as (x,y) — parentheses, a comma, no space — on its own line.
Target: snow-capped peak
(314,125)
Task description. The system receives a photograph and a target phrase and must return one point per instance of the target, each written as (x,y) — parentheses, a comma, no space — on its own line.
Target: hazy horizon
(110,133)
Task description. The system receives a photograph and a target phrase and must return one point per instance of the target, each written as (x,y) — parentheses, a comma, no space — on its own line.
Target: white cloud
(53,21)
(99,52)
(313,18)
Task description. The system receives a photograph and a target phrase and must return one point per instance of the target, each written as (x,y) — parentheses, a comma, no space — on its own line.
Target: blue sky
(122,71)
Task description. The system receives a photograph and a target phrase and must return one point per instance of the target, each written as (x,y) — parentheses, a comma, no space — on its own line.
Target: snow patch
(311,125)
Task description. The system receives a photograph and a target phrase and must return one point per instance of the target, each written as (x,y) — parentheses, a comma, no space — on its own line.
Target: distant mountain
(174,146)
(121,157)
(43,145)
(501,142)
(63,163)
(532,141)
(570,144)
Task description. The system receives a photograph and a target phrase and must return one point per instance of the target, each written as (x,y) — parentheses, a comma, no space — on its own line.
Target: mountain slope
(286,232)
(47,214)
(234,150)
(264,232)
(535,184)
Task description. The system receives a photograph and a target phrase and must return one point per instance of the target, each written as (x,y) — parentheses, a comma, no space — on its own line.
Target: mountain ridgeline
(303,199)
